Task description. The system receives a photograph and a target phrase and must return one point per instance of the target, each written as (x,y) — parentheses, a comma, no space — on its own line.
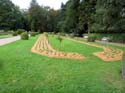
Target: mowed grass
(24,72)
(5,36)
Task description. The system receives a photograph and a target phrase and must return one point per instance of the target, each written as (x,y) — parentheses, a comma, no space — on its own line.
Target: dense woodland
(76,17)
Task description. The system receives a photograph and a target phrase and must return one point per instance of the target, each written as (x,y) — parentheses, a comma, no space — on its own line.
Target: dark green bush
(24,36)
(91,38)
(115,37)
(15,33)
(33,34)
(20,31)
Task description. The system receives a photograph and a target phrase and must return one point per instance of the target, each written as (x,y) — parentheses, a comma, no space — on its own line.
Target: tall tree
(72,16)
(108,16)
(87,10)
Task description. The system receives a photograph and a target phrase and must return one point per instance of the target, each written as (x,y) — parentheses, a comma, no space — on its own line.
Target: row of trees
(76,17)
(11,16)
(103,16)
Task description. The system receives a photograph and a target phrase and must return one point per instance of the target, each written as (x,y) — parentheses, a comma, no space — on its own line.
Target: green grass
(24,72)
(5,36)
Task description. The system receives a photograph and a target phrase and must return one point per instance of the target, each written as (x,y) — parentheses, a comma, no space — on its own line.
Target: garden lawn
(24,72)
(5,36)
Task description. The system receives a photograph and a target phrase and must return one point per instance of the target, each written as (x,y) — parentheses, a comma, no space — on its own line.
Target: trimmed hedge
(20,31)
(33,34)
(91,38)
(119,38)
(24,36)
(14,33)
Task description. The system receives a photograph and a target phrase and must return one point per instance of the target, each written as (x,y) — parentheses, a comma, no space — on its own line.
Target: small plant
(15,33)
(60,39)
(24,36)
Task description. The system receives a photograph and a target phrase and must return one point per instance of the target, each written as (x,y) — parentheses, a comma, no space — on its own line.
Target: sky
(24,4)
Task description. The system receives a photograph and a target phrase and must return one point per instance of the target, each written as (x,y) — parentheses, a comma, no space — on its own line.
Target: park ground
(22,71)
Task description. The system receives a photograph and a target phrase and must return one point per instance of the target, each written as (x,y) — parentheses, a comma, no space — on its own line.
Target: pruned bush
(20,31)
(15,33)
(33,34)
(24,36)
(91,38)
(113,37)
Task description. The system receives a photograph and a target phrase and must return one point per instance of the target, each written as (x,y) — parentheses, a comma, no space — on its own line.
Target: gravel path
(9,40)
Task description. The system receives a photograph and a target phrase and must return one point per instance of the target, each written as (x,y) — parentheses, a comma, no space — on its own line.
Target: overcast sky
(52,3)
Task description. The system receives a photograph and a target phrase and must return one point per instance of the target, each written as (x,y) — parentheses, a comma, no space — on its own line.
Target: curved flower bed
(43,47)
(109,54)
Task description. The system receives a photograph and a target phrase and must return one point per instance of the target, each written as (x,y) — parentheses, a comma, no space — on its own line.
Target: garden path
(9,40)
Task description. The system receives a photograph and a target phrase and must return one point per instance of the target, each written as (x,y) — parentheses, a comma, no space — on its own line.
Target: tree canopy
(76,17)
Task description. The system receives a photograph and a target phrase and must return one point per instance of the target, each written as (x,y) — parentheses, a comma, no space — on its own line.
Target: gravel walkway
(9,40)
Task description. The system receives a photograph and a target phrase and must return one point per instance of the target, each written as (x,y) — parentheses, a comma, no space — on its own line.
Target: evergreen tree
(108,16)
(87,10)
(72,16)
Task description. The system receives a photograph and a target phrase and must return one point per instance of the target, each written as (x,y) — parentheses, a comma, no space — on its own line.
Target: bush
(113,37)
(24,36)
(15,33)
(91,38)
(20,31)
(33,34)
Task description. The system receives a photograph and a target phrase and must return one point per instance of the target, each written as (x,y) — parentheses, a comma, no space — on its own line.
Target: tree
(87,10)
(108,16)
(71,19)
(60,39)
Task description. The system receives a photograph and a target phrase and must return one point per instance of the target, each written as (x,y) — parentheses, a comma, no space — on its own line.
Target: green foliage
(69,24)
(20,31)
(15,33)
(20,73)
(87,10)
(24,36)
(11,17)
(33,34)
(60,39)
(112,37)
(91,38)
(108,16)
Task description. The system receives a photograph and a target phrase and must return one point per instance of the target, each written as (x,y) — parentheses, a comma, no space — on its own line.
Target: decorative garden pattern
(43,47)
(109,54)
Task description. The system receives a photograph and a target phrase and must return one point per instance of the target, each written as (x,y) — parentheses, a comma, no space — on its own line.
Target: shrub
(20,31)
(24,36)
(113,37)
(60,39)
(33,34)
(91,38)
(15,33)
